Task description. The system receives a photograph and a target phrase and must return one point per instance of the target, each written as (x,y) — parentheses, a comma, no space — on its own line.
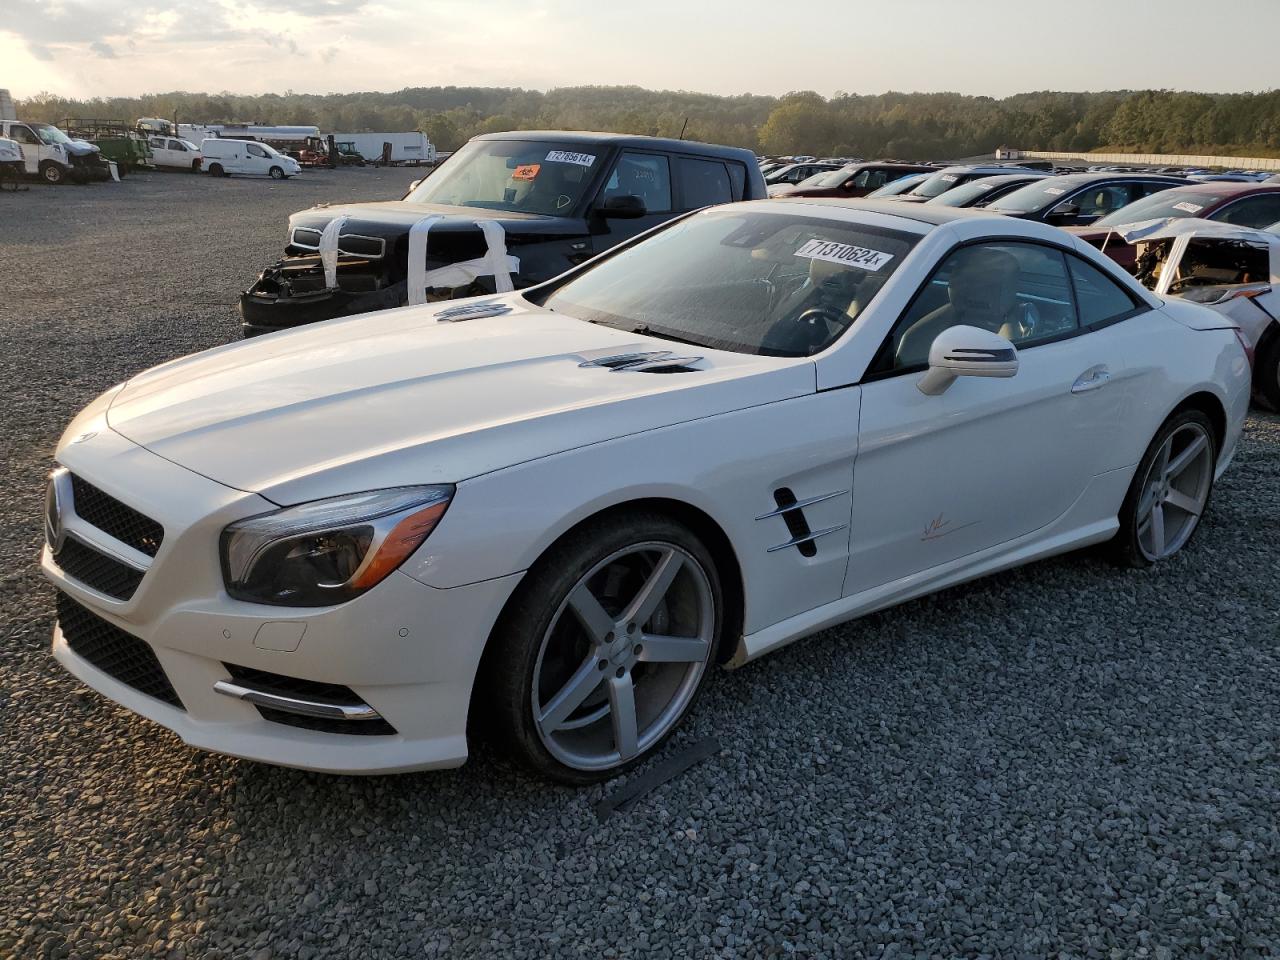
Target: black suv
(559,197)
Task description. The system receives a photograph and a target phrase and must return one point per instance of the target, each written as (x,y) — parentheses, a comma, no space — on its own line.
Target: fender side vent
(791,510)
(794,518)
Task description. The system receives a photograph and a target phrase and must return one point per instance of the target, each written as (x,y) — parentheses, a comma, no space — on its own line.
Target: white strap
(416,278)
(329,251)
(496,262)
(496,258)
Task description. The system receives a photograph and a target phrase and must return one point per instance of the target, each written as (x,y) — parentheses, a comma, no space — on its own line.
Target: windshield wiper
(647,331)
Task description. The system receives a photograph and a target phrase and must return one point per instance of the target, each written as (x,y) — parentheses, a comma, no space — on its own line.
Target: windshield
(49,134)
(1159,206)
(749,282)
(1032,197)
(895,187)
(189,145)
(964,194)
(940,183)
(519,175)
(828,178)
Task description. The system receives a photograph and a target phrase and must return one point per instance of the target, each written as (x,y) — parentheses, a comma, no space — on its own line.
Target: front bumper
(291,293)
(406,650)
(419,683)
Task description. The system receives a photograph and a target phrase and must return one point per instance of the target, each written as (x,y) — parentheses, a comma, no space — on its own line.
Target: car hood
(395,217)
(401,397)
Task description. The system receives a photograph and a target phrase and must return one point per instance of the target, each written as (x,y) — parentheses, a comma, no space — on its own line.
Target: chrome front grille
(114,518)
(95,539)
(103,573)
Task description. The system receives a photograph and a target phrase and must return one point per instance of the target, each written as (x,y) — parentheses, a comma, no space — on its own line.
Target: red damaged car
(854,180)
(1254,205)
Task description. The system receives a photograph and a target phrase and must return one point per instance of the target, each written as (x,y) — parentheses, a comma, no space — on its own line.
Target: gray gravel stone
(1065,761)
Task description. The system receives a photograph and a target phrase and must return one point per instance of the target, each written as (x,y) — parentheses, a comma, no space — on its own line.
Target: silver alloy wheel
(1175,492)
(623,656)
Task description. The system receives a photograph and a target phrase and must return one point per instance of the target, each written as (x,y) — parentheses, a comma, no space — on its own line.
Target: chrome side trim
(807,538)
(801,504)
(307,708)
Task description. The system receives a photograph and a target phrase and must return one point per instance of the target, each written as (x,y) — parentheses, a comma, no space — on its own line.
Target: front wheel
(605,647)
(277,173)
(52,172)
(1170,491)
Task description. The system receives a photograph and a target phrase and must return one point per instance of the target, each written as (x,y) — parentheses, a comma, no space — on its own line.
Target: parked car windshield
(964,194)
(1159,206)
(939,183)
(49,134)
(1032,197)
(749,282)
(895,187)
(827,178)
(519,175)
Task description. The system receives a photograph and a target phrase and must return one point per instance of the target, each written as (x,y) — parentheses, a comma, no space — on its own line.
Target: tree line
(904,125)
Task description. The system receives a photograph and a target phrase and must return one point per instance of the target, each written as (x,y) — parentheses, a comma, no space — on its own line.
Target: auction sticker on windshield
(845,254)
(526,171)
(1186,207)
(564,156)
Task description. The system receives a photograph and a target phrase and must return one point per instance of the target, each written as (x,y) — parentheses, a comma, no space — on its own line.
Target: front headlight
(328,551)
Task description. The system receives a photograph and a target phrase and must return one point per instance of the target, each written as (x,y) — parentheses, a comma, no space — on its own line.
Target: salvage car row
(661,431)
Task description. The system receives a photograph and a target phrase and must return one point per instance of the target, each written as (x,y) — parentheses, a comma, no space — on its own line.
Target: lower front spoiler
(273,743)
(269,313)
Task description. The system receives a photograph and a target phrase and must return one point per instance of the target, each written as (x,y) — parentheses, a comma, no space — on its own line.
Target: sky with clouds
(88,48)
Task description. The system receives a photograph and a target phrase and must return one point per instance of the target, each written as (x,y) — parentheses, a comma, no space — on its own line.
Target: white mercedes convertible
(557,510)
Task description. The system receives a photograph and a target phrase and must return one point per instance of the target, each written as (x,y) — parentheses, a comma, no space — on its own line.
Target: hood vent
(651,361)
(473,311)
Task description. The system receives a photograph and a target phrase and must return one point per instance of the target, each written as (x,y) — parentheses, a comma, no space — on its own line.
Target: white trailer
(409,148)
(282,136)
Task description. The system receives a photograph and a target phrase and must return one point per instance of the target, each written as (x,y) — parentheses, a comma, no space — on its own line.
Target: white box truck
(406,148)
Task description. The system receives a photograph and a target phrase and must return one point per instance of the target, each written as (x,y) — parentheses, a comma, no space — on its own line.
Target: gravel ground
(1065,761)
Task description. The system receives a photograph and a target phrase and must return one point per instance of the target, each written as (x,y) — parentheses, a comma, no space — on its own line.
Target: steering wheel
(807,332)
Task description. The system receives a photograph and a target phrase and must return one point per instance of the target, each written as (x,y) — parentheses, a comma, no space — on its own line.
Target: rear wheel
(1266,372)
(52,172)
(1170,491)
(606,646)
(9,177)
(277,173)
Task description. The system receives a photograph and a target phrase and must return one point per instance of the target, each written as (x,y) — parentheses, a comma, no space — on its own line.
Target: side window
(22,135)
(1099,298)
(703,182)
(1147,189)
(156,142)
(1018,290)
(1099,201)
(256,151)
(643,175)
(738,176)
(877,179)
(1257,212)
(177,145)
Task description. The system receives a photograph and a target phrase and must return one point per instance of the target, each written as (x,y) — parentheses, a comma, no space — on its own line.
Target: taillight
(1248,350)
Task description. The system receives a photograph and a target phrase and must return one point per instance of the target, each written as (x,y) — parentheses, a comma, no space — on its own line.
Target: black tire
(1125,549)
(9,178)
(52,173)
(276,173)
(506,684)
(122,170)
(1266,372)
(215,170)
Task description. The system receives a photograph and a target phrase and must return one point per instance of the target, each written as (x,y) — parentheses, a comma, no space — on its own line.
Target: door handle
(1093,379)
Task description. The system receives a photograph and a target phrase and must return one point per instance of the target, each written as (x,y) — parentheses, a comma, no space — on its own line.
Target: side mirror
(1063,212)
(967,352)
(625,207)
(414,186)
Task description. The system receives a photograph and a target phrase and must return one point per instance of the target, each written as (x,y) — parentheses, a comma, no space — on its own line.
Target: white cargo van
(223,157)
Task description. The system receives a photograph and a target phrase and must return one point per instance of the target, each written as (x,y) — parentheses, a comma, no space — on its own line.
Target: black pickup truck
(559,197)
